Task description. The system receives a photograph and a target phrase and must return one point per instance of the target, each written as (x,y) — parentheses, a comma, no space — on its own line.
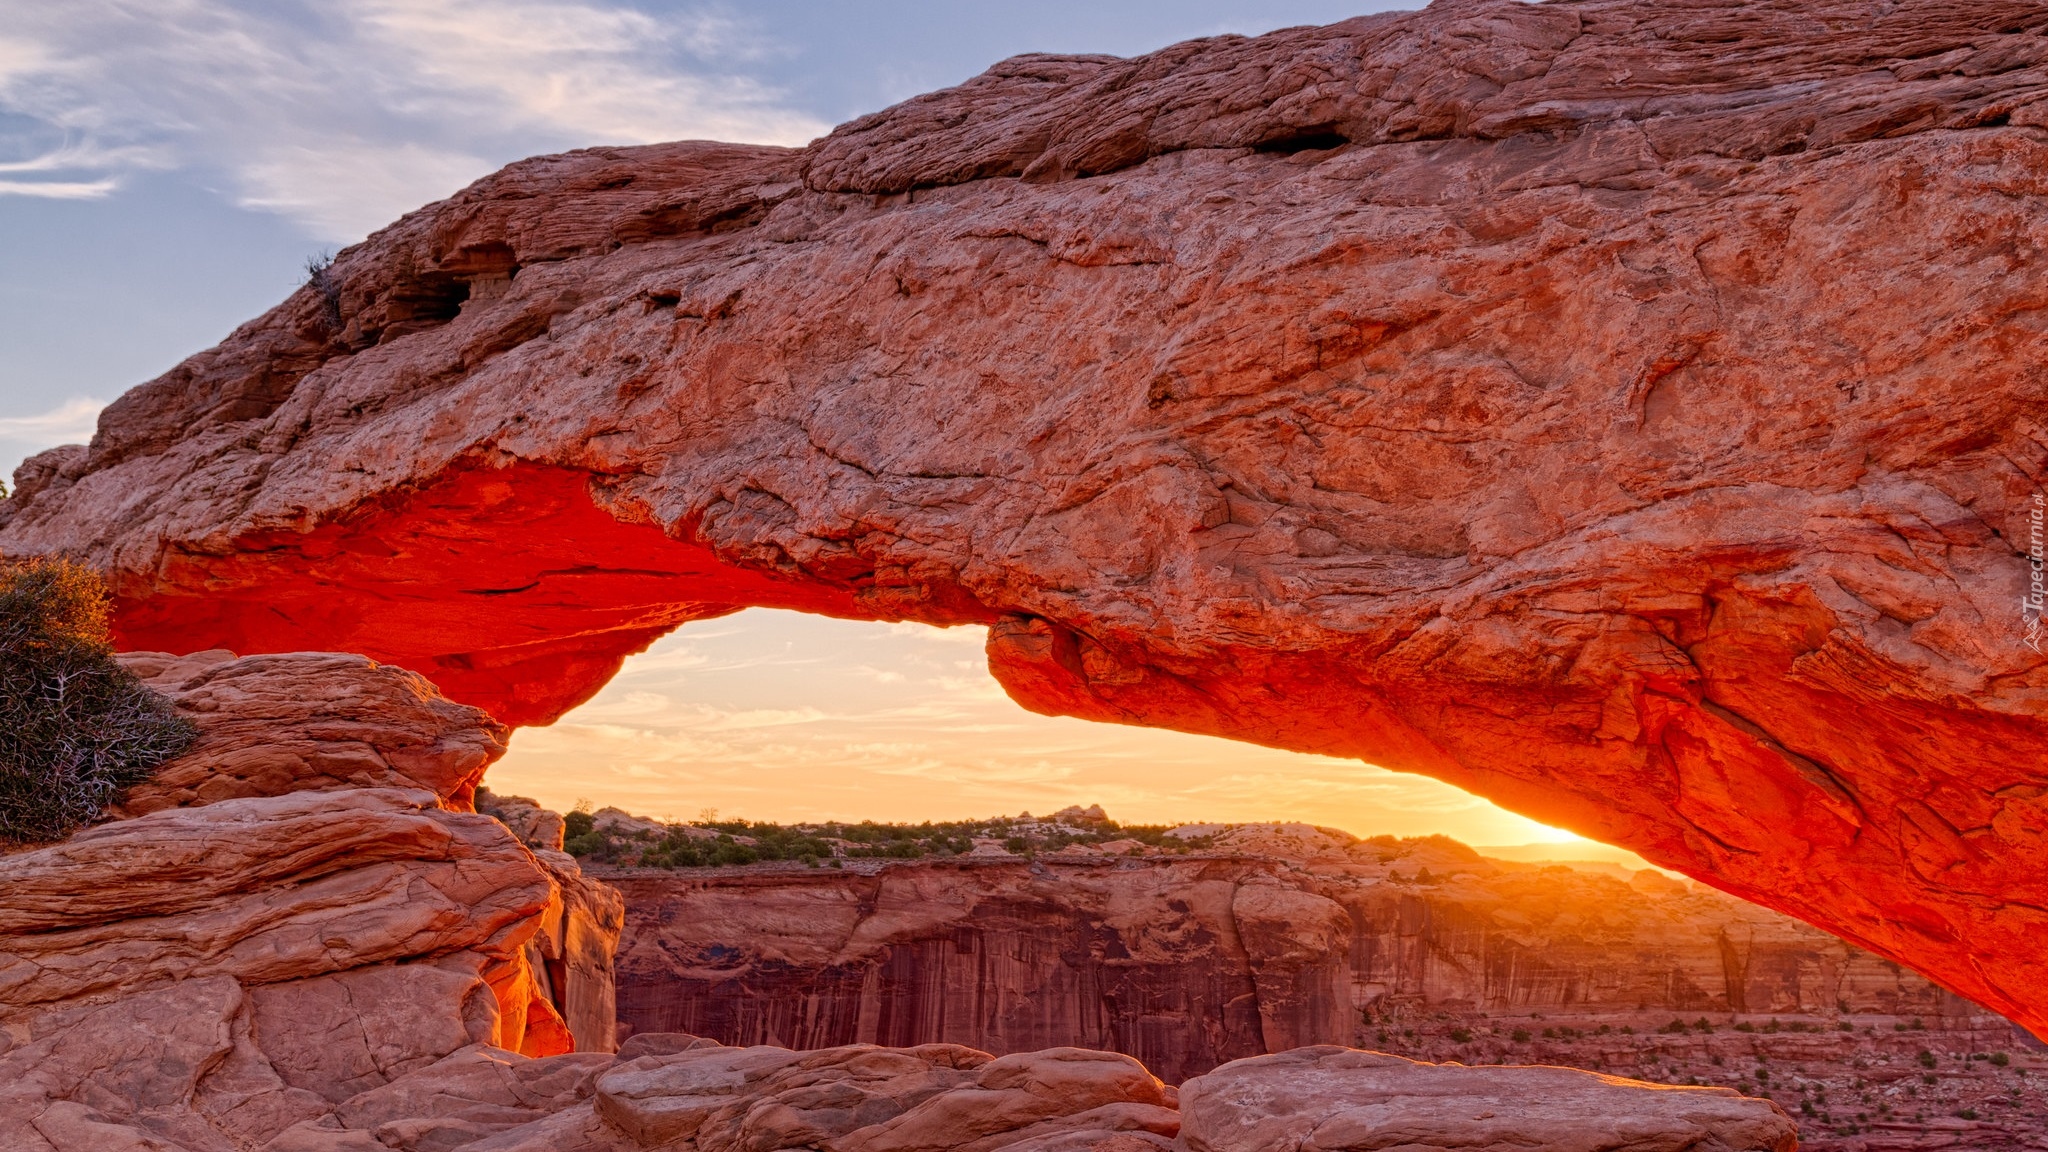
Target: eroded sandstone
(297,912)
(1623,410)
(1189,963)
(1342,1100)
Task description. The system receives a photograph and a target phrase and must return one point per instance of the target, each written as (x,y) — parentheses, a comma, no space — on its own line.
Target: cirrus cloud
(342,116)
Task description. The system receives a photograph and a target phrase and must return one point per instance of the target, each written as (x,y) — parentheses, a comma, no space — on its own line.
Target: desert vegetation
(76,728)
(711,842)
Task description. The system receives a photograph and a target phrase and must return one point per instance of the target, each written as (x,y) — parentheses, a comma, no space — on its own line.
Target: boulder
(1026,1096)
(265,889)
(536,827)
(657,1099)
(301,721)
(293,916)
(1329,1099)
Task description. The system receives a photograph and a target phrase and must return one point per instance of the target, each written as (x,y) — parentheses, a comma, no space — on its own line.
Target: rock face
(1625,410)
(1340,1100)
(1186,964)
(296,913)
(579,937)
(270,725)
(288,944)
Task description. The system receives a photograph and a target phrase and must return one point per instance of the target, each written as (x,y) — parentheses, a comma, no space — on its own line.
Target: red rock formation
(1189,963)
(1623,410)
(348,964)
(298,911)
(318,721)
(571,956)
(1327,1099)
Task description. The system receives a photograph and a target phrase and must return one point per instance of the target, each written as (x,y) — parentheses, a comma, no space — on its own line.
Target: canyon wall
(1186,963)
(298,938)
(1626,410)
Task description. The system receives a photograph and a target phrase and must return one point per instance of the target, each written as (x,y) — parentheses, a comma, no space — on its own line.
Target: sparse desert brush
(76,728)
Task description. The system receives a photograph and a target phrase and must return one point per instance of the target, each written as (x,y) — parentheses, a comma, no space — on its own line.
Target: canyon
(1278,937)
(1187,963)
(1622,410)
(300,937)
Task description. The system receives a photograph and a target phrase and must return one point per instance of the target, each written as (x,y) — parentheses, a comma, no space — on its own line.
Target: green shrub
(576,824)
(76,728)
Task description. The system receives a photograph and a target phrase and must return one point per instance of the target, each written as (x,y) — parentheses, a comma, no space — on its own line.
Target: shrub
(76,728)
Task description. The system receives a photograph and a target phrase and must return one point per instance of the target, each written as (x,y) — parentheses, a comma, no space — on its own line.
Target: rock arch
(1625,411)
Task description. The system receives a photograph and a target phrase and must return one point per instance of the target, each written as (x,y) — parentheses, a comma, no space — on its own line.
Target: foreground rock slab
(1329,1099)
(947,1098)
(297,912)
(1625,410)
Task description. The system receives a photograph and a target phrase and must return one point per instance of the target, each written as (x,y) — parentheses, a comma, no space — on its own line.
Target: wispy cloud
(344,116)
(58,189)
(71,422)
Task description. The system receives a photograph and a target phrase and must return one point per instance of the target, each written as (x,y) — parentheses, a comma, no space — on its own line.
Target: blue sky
(168,166)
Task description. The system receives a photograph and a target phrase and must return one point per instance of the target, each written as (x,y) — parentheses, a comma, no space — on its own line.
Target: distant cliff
(1187,962)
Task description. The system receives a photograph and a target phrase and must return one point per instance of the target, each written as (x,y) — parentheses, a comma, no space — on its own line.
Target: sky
(168,167)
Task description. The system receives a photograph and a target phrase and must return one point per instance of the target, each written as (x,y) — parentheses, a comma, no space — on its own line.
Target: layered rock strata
(1326,1099)
(297,912)
(579,937)
(1625,410)
(1186,963)
(299,939)
(684,1094)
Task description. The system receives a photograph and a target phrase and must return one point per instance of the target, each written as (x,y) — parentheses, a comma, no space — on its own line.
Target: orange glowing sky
(779,716)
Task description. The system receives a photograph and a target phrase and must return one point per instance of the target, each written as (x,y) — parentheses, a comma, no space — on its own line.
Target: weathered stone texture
(1186,964)
(1628,411)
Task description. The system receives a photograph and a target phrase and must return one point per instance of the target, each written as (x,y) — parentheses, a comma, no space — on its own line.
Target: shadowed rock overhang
(1626,411)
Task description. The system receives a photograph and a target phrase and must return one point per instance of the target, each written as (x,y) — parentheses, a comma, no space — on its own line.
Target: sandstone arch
(1625,411)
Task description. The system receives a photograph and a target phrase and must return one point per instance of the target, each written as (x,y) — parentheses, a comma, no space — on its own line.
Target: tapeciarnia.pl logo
(2036,599)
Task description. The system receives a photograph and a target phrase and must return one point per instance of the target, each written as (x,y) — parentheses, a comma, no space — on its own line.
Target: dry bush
(76,728)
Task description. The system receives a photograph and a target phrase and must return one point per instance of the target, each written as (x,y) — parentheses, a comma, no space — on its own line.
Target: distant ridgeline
(610,836)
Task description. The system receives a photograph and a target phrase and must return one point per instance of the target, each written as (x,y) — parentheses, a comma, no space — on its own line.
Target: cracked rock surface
(329,966)
(1627,411)
(292,916)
